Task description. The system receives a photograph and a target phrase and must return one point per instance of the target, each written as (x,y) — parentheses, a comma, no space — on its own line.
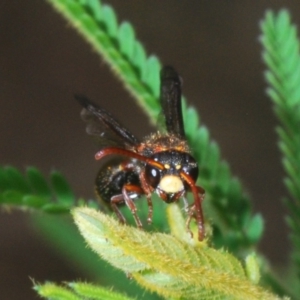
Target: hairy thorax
(158,142)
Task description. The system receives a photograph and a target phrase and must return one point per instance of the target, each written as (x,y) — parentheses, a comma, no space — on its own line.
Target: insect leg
(150,209)
(129,202)
(201,191)
(196,209)
(147,191)
(115,200)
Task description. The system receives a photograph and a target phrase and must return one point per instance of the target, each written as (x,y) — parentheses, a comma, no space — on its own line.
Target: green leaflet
(165,264)
(282,58)
(32,190)
(96,292)
(38,182)
(77,291)
(62,190)
(54,292)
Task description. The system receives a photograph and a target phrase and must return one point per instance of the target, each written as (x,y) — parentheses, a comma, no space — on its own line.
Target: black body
(110,180)
(114,175)
(160,163)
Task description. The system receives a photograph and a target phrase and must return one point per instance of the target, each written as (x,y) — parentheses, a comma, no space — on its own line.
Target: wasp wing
(102,125)
(170,98)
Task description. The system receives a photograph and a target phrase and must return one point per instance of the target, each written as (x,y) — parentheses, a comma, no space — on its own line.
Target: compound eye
(191,167)
(152,175)
(193,172)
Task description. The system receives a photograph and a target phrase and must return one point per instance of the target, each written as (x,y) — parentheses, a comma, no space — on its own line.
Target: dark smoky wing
(170,98)
(101,136)
(105,130)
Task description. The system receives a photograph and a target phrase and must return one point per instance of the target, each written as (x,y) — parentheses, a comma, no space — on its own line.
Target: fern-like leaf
(77,291)
(55,292)
(282,57)
(32,190)
(165,264)
(226,203)
(90,291)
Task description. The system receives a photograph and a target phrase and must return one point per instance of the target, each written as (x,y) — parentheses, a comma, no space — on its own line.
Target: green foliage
(63,233)
(52,291)
(165,264)
(118,47)
(96,292)
(226,203)
(174,266)
(252,268)
(282,57)
(77,291)
(33,191)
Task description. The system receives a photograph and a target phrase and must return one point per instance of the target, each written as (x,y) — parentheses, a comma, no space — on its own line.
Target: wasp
(160,163)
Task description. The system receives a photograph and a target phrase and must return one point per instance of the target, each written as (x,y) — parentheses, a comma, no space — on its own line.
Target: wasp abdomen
(111,179)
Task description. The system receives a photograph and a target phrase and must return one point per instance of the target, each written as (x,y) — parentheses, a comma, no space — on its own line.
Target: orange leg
(148,192)
(196,209)
(129,202)
(150,209)
(196,212)
(115,200)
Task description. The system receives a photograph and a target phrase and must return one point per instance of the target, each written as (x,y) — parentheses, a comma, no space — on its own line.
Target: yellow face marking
(171,184)
(178,167)
(167,166)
